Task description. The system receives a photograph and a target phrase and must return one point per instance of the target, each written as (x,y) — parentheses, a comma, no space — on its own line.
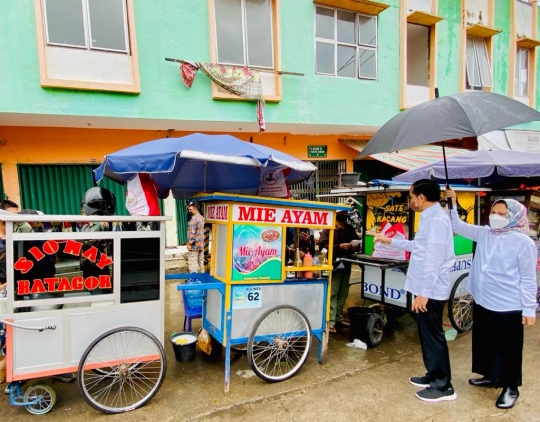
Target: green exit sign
(314,151)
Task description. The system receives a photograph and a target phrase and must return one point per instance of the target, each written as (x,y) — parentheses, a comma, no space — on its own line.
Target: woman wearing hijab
(502,282)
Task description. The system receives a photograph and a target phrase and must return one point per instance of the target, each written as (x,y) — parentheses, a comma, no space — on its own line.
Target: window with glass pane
(522,72)
(90,24)
(65,22)
(345,44)
(107,24)
(478,65)
(244,32)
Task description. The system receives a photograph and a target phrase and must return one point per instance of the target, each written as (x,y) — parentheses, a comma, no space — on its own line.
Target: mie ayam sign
(259,214)
(287,216)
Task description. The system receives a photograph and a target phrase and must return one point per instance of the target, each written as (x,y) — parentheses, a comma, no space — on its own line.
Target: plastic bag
(381,250)
(204,341)
(357,344)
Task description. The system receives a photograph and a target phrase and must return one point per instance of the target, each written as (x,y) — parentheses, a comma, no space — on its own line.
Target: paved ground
(355,385)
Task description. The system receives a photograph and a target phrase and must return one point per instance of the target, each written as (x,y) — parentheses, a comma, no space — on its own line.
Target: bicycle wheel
(460,305)
(279,343)
(131,366)
(45,395)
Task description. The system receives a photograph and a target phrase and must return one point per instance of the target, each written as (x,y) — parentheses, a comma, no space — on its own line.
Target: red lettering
(77,283)
(307,218)
(50,247)
(38,287)
(36,253)
(51,283)
(91,283)
(297,215)
(244,251)
(246,214)
(23,287)
(64,285)
(286,217)
(104,260)
(222,212)
(270,215)
(73,247)
(23,265)
(91,254)
(105,282)
(320,218)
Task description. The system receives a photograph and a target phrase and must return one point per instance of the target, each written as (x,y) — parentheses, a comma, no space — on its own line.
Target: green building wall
(179,29)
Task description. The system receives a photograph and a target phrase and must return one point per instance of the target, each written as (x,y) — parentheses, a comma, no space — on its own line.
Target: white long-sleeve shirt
(432,255)
(503,271)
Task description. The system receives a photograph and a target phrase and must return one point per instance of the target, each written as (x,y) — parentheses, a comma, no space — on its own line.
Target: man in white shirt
(428,279)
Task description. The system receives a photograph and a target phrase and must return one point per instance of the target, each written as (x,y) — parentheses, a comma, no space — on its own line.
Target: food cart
(108,328)
(383,280)
(248,297)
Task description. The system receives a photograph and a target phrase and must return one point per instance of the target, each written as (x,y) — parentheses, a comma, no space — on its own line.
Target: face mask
(497,221)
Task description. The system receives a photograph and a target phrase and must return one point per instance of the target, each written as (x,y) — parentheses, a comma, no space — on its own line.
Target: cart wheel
(45,394)
(131,364)
(460,305)
(279,343)
(374,330)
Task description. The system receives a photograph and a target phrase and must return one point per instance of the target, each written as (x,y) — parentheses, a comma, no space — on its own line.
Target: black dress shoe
(481,382)
(507,399)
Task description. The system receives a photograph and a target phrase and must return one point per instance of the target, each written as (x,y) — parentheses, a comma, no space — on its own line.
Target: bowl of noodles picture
(270,235)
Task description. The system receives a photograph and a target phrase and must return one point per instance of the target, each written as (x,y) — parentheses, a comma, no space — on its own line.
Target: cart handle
(48,327)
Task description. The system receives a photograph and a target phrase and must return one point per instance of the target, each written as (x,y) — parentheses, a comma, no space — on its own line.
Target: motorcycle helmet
(98,201)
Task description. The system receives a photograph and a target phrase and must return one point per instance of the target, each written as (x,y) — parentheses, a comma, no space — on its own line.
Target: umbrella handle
(448,200)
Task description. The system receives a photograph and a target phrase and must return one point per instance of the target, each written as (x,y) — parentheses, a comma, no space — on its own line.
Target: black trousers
(434,347)
(497,346)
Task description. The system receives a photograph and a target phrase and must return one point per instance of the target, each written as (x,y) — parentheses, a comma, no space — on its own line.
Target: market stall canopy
(409,158)
(201,163)
(490,166)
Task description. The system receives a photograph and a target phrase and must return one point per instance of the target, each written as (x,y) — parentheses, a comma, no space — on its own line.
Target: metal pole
(449,200)
(259,69)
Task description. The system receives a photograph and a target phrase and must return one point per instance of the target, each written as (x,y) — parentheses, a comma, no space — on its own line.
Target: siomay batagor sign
(62,284)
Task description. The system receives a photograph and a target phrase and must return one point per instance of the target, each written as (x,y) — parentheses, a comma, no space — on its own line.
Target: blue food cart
(248,298)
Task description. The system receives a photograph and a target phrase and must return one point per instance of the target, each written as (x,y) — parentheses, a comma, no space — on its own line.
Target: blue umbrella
(487,166)
(201,163)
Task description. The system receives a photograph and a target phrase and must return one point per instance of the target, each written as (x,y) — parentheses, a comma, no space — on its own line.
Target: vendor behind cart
(344,246)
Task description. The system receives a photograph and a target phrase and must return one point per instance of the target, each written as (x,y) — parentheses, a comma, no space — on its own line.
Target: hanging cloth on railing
(238,80)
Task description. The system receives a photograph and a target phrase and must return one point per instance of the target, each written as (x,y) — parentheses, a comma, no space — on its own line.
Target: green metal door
(54,189)
(181,221)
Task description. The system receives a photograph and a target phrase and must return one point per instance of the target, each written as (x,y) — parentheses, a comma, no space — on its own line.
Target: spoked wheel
(279,343)
(122,370)
(374,330)
(45,396)
(460,305)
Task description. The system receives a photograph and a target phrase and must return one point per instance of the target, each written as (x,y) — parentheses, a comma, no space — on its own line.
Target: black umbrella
(462,115)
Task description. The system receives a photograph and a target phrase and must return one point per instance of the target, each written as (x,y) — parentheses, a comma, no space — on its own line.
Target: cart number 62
(253,296)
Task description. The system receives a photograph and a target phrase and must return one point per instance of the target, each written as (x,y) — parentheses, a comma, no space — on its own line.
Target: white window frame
(477,64)
(87,30)
(518,80)
(245,37)
(359,46)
